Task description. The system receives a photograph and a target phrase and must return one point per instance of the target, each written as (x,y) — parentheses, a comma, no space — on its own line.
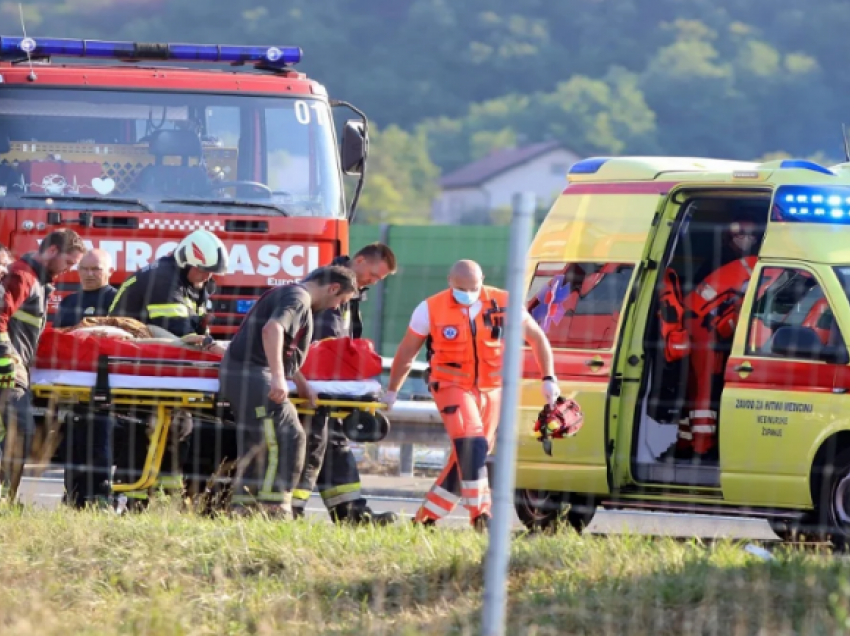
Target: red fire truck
(133,152)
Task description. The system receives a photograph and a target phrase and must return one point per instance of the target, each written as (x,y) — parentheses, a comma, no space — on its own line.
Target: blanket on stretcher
(335,359)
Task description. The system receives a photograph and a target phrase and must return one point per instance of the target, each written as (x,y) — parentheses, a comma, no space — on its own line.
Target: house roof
(477,172)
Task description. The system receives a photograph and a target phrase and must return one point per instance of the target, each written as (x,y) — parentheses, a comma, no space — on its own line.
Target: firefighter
(172,293)
(26,288)
(700,326)
(463,326)
(330,462)
(268,349)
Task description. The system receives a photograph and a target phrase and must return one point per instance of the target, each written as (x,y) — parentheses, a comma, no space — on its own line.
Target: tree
(401,179)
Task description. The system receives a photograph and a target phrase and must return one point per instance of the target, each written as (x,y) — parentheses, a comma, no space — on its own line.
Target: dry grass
(167,574)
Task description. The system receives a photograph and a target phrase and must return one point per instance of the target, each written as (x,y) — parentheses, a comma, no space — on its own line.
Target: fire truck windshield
(168,151)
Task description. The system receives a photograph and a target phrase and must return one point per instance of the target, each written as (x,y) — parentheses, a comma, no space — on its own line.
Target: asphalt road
(47,492)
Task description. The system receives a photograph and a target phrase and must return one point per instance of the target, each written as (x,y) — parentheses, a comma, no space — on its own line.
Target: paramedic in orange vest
(701,326)
(464,328)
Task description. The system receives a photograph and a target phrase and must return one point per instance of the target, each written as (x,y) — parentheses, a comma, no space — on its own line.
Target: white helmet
(204,250)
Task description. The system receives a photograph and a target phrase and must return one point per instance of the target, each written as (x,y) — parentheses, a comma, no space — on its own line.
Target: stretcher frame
(165,402)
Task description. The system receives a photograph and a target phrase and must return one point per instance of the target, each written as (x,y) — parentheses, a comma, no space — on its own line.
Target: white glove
(389,398)
(551,391)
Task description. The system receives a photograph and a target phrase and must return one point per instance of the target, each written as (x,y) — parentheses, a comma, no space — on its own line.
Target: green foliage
(401,179)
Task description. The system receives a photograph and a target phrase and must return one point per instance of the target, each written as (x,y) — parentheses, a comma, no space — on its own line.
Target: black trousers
(86,448)
(270,439)
(330,466)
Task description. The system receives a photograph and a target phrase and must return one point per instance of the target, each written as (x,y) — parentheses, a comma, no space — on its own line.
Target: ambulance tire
(545,511)
(834,513)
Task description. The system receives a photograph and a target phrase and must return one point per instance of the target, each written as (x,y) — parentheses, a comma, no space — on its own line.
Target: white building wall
(545,175)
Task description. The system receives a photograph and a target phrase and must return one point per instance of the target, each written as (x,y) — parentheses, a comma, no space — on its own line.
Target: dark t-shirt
(290,306)
(84,304)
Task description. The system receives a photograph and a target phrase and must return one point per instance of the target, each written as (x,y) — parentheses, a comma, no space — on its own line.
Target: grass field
(163,573)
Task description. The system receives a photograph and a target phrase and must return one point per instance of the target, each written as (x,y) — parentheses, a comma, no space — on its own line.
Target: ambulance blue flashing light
(812,204)
(806,165)
(16,48)
(588,166)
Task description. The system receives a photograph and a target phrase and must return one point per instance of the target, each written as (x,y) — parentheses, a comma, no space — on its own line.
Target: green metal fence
(425,254)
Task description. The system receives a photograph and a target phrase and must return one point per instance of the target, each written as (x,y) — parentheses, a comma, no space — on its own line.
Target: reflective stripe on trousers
(341,494)
(472,429)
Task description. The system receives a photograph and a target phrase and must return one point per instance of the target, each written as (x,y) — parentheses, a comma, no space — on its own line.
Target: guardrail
(415,423)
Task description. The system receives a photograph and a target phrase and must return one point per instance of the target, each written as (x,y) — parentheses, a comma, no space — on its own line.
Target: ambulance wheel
(834,513)
(544,510)
(539,510)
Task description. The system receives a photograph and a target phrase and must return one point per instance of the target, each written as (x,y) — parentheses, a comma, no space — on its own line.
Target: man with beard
(24,292)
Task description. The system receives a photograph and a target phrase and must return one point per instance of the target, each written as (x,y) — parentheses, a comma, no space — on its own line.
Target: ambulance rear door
(584,262)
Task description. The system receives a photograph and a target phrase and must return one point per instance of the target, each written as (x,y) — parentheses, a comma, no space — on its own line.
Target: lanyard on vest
(493,319)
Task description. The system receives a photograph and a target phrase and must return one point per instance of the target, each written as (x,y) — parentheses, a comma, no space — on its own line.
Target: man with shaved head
(464,328)
(96,295)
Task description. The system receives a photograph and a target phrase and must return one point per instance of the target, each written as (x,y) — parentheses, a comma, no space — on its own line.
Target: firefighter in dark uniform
(24,291)
(172,293)
(266,352)
(330,464)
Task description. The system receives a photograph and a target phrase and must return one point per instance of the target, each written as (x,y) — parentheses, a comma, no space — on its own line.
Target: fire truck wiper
(228,203)
(71,197)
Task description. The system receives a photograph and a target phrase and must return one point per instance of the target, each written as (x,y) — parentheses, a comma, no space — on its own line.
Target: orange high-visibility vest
(457,355)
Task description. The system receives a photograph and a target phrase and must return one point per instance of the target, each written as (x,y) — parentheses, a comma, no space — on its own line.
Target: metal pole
(405,460)
(380,299)
(498,550)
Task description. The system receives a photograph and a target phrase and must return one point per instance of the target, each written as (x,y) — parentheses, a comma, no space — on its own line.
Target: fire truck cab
(133,153)
(595,281)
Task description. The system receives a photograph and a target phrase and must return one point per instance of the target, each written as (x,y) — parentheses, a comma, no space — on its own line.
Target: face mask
(744,243)
(465,297)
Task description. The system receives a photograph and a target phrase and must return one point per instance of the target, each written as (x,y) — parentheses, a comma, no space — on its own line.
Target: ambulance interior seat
(174,181)
(9,175)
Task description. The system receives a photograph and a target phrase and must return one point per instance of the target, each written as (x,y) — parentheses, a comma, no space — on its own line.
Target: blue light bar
(16,48)
(588,166)
(806,165)
(812,204)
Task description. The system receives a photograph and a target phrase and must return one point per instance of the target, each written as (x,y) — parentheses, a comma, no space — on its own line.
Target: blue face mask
(465,297)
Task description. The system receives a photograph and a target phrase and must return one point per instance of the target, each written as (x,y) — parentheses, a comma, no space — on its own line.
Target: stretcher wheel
(362,426)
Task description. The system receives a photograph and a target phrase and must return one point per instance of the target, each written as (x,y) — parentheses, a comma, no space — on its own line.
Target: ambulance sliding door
(579,306)
(778,397)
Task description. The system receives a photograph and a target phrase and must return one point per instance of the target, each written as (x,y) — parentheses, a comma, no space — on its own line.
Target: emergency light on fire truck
(12,48)
(807,204)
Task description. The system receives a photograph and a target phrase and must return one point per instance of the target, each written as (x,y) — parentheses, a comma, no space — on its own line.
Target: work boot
(481,523)
(676,454)
(687,455)
(361,515)
(430,524)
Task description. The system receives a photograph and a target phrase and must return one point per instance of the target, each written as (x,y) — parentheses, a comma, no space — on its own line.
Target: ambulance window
(789,297)
(578,305)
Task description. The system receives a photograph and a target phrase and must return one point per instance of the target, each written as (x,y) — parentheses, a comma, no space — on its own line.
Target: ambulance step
(679,474)
(705,509)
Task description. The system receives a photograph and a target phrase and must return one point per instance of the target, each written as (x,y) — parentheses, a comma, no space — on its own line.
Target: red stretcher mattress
(341,367)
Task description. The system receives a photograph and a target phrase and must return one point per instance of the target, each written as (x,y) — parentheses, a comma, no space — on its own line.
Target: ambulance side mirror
(355,147)
(803,343)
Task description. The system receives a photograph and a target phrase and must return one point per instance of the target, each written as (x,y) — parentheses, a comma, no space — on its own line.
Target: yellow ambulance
(771,383)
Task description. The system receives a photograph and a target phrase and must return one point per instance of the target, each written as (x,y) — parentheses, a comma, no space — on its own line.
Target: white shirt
(420,322)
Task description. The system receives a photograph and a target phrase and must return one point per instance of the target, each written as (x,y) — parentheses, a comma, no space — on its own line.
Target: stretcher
(181,385)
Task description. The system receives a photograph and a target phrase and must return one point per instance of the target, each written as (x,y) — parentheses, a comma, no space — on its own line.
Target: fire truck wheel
(545,511)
